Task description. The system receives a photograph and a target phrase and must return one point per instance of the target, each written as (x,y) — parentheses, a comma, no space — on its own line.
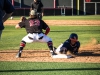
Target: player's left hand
(22,19)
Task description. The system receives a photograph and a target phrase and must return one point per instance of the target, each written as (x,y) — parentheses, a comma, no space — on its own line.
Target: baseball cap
(74,36)
(32,12)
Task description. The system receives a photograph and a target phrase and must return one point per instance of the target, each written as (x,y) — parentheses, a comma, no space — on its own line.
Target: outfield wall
(47,11)
(57,7)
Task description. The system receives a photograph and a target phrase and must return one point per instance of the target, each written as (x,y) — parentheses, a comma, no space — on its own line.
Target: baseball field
(36,59)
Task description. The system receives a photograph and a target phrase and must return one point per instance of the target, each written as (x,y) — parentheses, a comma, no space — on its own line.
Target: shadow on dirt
(90,53)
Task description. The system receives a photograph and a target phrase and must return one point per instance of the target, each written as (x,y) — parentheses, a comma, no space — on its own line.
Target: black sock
(20,49)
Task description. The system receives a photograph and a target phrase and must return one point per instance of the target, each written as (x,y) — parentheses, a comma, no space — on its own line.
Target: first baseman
(34,28)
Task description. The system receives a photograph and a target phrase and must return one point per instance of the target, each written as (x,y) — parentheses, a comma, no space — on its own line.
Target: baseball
(11,18)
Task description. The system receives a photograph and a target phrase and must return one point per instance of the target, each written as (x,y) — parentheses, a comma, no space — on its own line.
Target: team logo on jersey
(34,23)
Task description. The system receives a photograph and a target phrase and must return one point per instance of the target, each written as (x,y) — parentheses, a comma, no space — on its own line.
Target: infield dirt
(88,54)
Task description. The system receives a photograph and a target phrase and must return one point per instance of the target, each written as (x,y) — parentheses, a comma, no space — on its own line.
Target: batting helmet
(74,36)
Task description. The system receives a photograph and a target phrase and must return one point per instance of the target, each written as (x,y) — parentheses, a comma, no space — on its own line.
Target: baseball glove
(22,19)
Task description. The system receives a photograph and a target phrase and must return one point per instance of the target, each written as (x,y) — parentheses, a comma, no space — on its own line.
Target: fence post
(77,7)
(95,8)
(63,10)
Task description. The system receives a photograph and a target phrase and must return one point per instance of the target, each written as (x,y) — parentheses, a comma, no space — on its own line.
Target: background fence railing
(60,7)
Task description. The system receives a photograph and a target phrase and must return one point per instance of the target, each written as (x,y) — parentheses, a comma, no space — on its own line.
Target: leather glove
(22,19)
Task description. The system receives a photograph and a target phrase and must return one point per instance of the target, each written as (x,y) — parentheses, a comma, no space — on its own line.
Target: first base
(61,56)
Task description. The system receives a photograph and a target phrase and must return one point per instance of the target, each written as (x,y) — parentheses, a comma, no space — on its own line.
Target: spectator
(38,7)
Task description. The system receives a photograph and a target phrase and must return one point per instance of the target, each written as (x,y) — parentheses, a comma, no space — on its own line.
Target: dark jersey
(5,5)
(37,6)
(67,44)
(33,25)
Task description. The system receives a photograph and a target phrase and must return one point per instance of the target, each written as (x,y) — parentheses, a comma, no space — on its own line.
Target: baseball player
(38,7)
(5,6)
(72,44)
(34,28)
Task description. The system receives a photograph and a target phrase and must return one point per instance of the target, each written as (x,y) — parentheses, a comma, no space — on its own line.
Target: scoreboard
(92,0)
(92,7)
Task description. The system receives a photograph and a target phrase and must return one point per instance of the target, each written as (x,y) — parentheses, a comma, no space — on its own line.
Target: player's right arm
(17,26)
(21,24)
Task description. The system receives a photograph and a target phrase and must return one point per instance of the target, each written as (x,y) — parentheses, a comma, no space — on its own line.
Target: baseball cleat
(53,53)
(69,56)
(18,55)
(54,48)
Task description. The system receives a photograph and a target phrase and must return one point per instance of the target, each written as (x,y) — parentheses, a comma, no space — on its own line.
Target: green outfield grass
(11,37)
(87,17)
(47,68)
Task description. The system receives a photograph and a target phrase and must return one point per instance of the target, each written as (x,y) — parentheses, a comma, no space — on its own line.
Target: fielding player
(34,28)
